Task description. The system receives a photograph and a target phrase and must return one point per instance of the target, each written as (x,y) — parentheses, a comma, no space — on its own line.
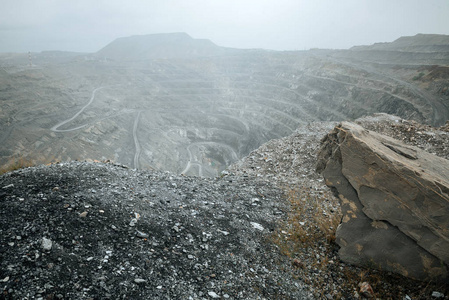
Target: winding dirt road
(195,161)
(55,128)
(136,141)
(191,162)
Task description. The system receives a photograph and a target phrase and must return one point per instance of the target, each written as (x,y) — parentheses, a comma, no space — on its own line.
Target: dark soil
(117,233)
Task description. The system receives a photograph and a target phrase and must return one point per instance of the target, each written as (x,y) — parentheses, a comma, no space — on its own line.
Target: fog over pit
(86,26)
(172,102)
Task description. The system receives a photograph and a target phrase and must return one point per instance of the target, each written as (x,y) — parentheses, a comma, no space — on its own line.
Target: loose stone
(436,294)
(213,295)
(141,234)
(46,244)
(257,226)
(139,280)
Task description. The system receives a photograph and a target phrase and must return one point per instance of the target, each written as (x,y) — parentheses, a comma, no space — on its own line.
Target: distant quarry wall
(171,102)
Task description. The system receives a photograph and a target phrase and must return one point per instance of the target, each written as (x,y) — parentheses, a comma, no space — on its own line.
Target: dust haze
(192,87)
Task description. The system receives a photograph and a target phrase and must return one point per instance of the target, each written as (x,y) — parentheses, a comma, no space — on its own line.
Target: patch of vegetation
(419,76)
(21,162)
(307,237)
(16,164)
(311,219)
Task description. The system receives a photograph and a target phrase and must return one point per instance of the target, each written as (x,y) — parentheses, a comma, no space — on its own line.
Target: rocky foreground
(83,230)
(87,230)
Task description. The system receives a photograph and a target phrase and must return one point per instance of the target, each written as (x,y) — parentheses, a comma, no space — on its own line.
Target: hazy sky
(88,25)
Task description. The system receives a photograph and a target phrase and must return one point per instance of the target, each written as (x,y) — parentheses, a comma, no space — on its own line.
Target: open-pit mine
(171,102)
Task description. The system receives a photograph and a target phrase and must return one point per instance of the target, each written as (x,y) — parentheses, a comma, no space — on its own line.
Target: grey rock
(139,280)
(436,294)
(257,226)
(133,222)
(141,234)
(213,295)
(46,244)
(395,202)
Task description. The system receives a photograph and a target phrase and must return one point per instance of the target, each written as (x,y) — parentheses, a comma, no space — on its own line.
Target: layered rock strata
(395,202)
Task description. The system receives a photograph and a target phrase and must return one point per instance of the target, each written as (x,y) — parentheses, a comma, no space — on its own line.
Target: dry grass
(307,237)
(16,164)
(312,221)
(21,162)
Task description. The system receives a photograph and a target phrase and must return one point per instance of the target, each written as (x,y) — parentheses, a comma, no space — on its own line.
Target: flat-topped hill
(417,43)
(153,46)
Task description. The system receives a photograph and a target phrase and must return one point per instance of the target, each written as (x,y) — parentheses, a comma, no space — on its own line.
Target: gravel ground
(100,231)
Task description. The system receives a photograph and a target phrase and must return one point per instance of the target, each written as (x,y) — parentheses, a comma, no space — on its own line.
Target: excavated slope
(171,102)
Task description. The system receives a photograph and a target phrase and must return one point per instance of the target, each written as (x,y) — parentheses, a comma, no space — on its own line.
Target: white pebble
(213,295)
(46,244)
(139,280)
(257,226)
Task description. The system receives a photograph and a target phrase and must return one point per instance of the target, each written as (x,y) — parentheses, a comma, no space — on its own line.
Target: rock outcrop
(395,202)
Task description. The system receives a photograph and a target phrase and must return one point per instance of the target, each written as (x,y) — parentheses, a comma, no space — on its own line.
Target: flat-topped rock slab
(395,202)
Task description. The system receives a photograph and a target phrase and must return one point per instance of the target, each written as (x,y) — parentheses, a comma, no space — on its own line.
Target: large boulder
(395,202)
